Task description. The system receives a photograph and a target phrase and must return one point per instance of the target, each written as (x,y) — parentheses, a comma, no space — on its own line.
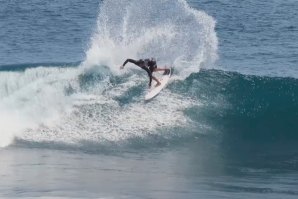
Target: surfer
(150,66)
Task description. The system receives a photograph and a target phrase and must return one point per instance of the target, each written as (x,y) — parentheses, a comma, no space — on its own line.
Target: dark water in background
(45,32)
(87,133)
(256,37)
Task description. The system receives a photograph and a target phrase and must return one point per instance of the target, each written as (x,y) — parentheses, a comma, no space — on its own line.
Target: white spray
(171,31)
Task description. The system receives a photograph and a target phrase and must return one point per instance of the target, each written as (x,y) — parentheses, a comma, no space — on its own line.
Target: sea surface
(73,125)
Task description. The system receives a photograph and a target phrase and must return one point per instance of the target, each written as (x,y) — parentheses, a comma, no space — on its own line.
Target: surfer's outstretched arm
(141,64)
(129,60)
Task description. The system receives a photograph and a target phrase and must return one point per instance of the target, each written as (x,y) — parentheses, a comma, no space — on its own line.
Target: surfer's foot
(157,84)
(167,71)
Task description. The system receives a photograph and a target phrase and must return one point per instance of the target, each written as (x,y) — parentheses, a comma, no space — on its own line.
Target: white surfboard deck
(154,91)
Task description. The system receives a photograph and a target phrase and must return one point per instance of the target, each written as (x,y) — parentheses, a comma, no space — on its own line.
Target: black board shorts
(151,68)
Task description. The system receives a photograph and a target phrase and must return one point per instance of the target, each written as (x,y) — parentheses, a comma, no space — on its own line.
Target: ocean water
(72,125)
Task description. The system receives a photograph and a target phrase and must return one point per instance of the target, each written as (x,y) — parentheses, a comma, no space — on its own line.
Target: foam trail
(102,120)
(169,30)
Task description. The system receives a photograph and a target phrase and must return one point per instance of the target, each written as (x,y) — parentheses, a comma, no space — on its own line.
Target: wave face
(171,31)
(243,108)
(44,105)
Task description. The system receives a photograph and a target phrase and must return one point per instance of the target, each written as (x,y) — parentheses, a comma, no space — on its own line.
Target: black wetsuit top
(147,64)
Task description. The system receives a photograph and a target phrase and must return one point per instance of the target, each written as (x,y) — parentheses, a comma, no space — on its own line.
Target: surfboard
(154,91)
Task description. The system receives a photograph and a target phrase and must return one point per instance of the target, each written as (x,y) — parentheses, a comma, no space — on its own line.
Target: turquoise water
(72,125)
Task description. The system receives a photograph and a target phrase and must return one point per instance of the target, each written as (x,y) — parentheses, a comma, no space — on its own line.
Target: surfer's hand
(121,67)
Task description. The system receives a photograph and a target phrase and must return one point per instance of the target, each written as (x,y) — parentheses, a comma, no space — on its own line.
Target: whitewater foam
(31,98)
(104,119)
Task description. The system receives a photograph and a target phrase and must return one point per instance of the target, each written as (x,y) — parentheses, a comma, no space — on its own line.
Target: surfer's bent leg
(166,70)
(160,69)
(149,74)
(151,69)
(158,82)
